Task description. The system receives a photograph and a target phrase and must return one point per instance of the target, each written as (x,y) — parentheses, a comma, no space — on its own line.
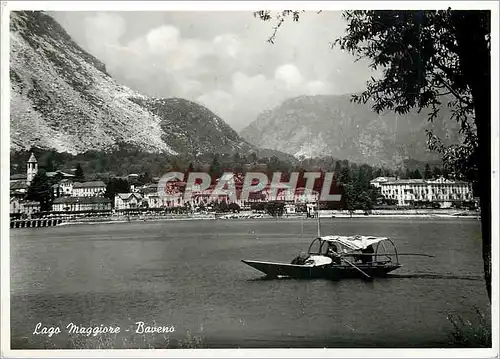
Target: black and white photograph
(243,179)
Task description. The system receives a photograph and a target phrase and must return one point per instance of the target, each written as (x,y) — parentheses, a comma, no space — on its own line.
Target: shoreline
(288,218)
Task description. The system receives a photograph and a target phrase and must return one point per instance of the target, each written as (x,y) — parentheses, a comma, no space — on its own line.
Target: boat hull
(330,271)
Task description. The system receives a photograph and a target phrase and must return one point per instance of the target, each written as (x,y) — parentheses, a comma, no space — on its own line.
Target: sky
(220,59)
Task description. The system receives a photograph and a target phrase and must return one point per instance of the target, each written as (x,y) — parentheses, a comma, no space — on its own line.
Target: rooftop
(61,173)
(421,181)
(126,196)
(91,184)
(32,159)
(18,185)
(18,176)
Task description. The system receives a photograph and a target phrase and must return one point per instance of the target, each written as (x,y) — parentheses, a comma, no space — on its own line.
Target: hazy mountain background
(62,98)
(331,125)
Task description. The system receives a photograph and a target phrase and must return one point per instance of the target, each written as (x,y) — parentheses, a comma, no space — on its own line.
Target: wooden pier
(37,222)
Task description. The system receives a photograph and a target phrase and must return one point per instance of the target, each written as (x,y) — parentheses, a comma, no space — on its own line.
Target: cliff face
(312,126)
(62,98)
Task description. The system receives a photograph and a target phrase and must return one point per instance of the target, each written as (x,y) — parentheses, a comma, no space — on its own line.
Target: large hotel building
(408,192)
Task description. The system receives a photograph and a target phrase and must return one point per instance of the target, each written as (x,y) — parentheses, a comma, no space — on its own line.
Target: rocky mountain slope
(312,126)
(62,98)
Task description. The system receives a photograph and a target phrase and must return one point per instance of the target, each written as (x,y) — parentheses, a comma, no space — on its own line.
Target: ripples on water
(189,274)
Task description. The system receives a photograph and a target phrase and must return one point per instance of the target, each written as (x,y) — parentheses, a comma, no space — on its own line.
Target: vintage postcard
(208,179)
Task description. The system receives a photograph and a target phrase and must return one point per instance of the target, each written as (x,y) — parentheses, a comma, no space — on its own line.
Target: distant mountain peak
(333,125)
(63,98)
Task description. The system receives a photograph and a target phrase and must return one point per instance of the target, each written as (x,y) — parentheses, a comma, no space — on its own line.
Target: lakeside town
(73,198)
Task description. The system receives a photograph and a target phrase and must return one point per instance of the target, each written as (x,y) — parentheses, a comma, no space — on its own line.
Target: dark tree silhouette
(79,176)
(40,190)
(427,172)
(114,186)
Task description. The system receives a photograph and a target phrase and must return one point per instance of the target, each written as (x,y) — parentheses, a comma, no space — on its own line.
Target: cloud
(163,39)
(219,59)
(221,102)
(288,75)
(244,85)
(227,45)
(317,87)
(102,34)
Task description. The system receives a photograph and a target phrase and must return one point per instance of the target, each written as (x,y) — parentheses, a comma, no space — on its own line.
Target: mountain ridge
(63,98)
(332,125)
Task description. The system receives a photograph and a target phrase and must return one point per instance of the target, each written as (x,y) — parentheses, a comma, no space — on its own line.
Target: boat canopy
(353,242)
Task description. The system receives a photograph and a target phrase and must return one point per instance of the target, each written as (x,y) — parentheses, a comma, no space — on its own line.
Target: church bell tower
(32,169)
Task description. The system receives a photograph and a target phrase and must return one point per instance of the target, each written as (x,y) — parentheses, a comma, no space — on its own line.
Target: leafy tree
(215,168)
(234,207)
(416,174)
(427,171)
(79,176)
(275,209)
(145,178)
(349,195)
(430,58)
(40,190)
(436,172)
(49,165)
(221,206)
(114,186)
(345,175)
(338,168)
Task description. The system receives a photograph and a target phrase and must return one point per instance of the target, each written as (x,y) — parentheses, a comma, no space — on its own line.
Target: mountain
(62,98)
(332,125)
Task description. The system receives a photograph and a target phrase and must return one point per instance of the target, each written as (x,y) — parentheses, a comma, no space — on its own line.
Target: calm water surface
(189,274)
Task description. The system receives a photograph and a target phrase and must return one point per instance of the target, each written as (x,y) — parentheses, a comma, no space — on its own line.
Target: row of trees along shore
(352,179)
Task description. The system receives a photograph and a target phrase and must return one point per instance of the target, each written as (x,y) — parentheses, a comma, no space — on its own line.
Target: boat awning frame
(353,242)
(348,243)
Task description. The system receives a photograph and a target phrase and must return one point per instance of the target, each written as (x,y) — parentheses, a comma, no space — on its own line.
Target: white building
(408,192)
(156,201)
(64,188)
(75,204)
(128,200)
(88,189)
(20,206)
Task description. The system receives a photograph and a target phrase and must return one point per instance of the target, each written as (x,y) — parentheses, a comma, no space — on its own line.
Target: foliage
(79,176)
(275,209)
(280,17)
(234,207)
(468,334)
(427,172)
(220,207)
(40,190)
(114,186)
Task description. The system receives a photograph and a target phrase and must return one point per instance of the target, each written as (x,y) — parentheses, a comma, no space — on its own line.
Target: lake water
(189,274)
